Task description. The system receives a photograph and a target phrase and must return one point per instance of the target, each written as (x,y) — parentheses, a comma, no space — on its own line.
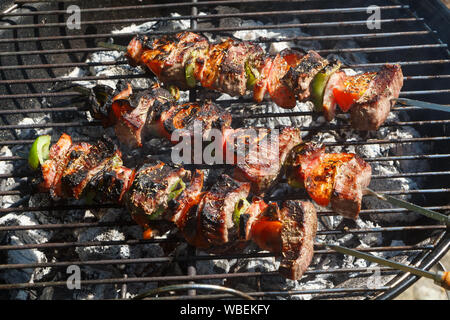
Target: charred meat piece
(373,107)
(192,230)
(260,87)
(135,49)
(154,186)
(350,181)
(299,78)
(299,227)
(186,116)
(110,183)
(235,66)
(209,74)
(132,127)
(56,163)
(153,53)
(336,178)
(264,155)
(281,94)
(84,163)
(188,45)
(217,220)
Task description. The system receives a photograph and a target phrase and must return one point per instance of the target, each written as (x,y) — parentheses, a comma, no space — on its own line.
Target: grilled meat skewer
(336,180)
(233,67)
(218,218)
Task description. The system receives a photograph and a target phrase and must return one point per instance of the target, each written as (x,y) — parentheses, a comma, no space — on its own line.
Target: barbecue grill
(38,54)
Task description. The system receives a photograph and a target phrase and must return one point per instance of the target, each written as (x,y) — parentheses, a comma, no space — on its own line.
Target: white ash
(27,256)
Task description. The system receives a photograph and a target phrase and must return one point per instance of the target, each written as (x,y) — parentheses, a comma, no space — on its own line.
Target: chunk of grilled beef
(263,163)
(134,50)
(299,78)
(261,85)
(217,208)
(192,231)
(110,183)
(148,196)
(280,93)
(154,52)
(232,75)
(132,127)
(336,178)
(173,71)
(209,71)
(373,107)
(84,164)
(193,118)
(299,227)
(350,181)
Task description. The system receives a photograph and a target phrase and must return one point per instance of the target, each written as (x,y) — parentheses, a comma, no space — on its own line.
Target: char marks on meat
(84,164)
(148,196)
(299,78)
(350,181)
(263,163)
(217,207)
(371,110)
(299,227)
(232,76)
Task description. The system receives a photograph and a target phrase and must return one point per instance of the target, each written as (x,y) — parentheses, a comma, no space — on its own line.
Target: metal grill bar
(143,75)
(115,63)
(321,51)
(203,17)
(302,38)
(330,144)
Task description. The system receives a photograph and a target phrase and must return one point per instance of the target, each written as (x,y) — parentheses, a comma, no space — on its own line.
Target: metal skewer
(407,205)
(440,278)
(422,104)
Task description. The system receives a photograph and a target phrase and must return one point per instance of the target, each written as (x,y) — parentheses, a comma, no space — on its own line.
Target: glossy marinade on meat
(154,186)
(84,164)
(336,179)
(235,67)
(263,161)
(218,206)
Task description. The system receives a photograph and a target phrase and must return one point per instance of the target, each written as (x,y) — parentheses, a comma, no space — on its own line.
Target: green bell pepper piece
(252,75)
(39,151)
(239,208)
(320,82)
(174,191)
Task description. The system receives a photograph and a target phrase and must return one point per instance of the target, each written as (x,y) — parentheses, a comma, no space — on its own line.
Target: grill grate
(37,50)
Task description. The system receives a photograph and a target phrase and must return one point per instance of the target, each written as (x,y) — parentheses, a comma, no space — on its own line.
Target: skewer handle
(443,279)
